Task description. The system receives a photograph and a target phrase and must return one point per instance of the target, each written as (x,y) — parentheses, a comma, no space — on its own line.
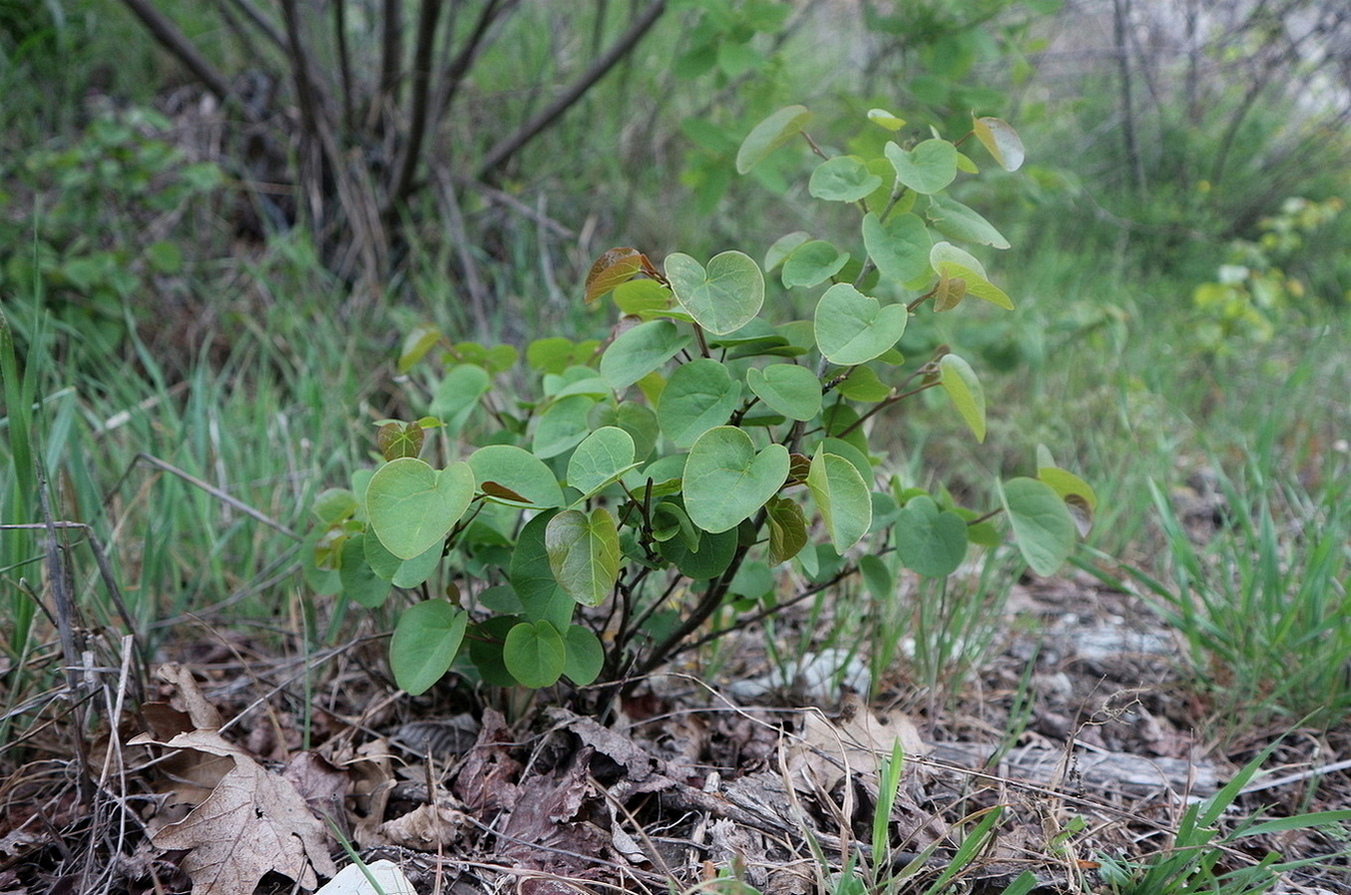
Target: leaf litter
(681,786)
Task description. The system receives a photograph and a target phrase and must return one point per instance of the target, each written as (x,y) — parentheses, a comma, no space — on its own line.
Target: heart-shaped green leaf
(700,395)
(604,456)
(845,178)
(722,298)
(726,481)
(359,581)
(899,247)
(517,470)
(713,555)
(585,656)
(457,395)
(842,499)
(956,221)
(930,542)
(812,263)
(638,351)
(769,135)
(425,642)
(412,506)
(783,247)
(962,386)
(853,328)
(639,420)
(788,389)
(584,553)
(1001,140)
(405,573)
(1042,524)
(927,168)
(533,579)
(562,426)
(534,654)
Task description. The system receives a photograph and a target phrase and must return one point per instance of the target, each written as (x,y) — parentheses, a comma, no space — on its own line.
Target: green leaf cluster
(590,525)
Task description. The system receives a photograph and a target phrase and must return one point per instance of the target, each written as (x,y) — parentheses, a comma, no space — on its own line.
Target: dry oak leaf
(253,822)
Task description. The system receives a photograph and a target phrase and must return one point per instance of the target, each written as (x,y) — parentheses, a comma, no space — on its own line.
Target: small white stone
(351,881)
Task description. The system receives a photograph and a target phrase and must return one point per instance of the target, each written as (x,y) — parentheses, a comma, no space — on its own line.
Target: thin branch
(1121,21)
(417,127)
(743,623)
(454,218)
(70,626)
(163,29)
(344,63)
(499,154)
(217,493)
(455,72)
(306,90)
(261,22)
(391,52)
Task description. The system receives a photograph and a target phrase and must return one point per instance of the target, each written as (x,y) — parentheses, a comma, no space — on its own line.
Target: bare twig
(344,63)
(417,125)
(163,29)
(70,627)
(505,149)
(391,53)
(261,22)
(517,205)
(217,493)
(477,39)
(478,293)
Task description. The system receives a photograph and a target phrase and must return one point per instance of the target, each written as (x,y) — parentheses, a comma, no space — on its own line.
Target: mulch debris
(232,778)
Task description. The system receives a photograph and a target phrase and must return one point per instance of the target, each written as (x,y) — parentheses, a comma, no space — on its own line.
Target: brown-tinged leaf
(253,822)
(787,529)
(618,265)
(397,440)
(492,489)
(949,292)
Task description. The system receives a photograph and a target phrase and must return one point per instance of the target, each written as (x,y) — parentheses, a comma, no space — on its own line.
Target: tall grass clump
(1263,606)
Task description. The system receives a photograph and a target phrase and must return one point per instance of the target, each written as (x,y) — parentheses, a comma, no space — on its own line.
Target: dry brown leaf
(199,709)
(425,828)
(253,822)
(857,739)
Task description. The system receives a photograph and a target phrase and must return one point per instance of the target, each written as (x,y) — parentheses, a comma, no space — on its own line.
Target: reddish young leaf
(618,265)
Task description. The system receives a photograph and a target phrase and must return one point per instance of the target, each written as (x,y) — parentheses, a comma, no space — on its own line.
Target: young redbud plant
(589,528)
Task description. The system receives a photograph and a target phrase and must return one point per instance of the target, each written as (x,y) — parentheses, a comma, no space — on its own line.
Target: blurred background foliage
(233,209)
(472,157)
